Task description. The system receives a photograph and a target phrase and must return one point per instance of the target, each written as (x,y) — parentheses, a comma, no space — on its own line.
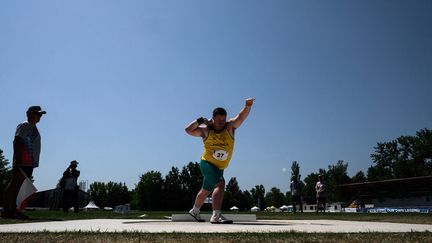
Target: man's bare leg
(217,196)
(199,201)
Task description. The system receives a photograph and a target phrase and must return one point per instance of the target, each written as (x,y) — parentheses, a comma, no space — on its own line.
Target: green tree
(5,173)
(274,197)
(174,191)
(359,177)
(134,199)
(414,154)
(109,194)
(337,175)
(295,173)
(247,201)
(295,170)
(117,194)
(98,193)
(149,191)
(406,156)
(233,195)
(423,148)
(384,159)
(191,181)
(258,194)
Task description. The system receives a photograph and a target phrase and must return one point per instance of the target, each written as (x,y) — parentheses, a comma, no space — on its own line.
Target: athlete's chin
(219,126)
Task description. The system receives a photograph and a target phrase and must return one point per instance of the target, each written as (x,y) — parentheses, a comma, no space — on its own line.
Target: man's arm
(194,128)
(20,142)
(239,119)
(18,146)
(66,172)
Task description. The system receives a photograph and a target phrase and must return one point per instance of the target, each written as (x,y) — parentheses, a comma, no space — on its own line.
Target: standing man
(296,193)
(218,138)
(71,188)
(27,147)
(320,188)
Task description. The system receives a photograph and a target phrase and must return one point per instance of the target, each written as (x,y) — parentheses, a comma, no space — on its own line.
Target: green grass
(411,218)
(215,237)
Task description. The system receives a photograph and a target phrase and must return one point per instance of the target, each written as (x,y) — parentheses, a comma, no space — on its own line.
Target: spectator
(320,188)
(70,187)
(296,194)
(26,147)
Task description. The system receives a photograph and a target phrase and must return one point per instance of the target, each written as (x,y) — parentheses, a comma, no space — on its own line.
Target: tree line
(406,156)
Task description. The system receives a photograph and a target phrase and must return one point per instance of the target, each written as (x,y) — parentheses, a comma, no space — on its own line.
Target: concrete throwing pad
(161,226)
(206,217)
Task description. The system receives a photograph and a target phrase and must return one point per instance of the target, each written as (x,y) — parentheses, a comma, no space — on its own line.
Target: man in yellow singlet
(218,138)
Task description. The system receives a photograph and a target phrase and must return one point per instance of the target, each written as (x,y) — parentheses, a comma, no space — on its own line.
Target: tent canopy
(91,205)
(234,208)
(255,209)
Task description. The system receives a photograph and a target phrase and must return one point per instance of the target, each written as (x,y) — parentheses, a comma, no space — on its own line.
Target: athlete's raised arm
(239,119)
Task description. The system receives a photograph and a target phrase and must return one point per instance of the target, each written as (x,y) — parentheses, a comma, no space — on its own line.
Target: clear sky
(120,81)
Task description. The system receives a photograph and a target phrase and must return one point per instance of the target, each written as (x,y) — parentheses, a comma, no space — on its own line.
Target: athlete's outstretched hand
(249,101)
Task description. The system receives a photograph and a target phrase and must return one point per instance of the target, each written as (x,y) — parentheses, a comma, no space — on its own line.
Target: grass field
(38,216)
(216,237)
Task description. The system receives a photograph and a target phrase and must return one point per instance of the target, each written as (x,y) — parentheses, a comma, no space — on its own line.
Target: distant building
(404,193)
(335,207)
(83,185)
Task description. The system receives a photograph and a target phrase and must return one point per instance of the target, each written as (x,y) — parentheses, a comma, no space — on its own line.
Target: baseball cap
(35,109)
(74,162)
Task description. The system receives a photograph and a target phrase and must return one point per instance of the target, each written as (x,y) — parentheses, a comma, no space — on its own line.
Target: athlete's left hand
(207,122)
(250,101)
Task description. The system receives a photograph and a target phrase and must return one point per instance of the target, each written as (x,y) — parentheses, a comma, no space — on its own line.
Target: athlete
(218,138)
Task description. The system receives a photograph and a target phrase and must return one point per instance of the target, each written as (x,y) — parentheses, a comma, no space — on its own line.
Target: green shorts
(212,175)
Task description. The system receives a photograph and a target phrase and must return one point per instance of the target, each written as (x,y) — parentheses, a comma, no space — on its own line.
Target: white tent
(286,208)
(234,208)
(91,206)
(255,209)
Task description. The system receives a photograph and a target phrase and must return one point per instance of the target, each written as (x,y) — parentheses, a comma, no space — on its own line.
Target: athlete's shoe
(8,214)
(20,215)
(14,214)
(196,215)
(219,219)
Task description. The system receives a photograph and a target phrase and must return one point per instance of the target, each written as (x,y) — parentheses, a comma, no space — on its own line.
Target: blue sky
(120,81)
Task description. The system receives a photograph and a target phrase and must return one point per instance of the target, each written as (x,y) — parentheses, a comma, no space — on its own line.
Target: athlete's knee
(220,185)
(204,191)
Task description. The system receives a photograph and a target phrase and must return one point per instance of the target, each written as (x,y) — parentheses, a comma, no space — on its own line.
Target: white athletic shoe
(196,215)
(219,219)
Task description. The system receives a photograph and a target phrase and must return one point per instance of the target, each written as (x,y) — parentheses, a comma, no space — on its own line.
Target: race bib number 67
(220,155)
